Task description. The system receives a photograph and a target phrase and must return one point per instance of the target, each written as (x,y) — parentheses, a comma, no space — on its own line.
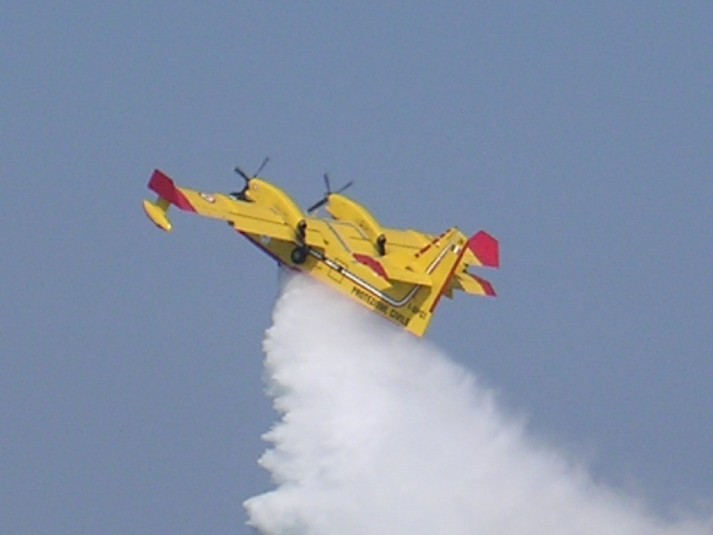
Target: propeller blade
(262,166)
(327,193)
(242,173)
(318,204)
(345,186)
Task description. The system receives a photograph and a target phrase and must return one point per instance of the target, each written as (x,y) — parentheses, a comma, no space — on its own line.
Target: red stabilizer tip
(487,287)
(486,248)
(166,189)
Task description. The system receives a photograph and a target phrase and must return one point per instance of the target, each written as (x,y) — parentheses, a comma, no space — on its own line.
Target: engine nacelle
(343,208)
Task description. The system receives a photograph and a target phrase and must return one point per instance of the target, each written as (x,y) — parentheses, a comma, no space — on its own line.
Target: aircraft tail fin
(168,194)
(445,260)
(167,189)
(485,250)
(439,260)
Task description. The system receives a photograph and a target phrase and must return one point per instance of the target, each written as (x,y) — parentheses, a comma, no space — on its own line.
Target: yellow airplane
(400,274)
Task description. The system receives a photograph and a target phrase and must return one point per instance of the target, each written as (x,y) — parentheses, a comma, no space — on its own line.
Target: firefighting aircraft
(400,274)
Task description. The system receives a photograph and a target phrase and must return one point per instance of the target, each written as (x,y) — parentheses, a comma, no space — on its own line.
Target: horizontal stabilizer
(474,285)
(156,212)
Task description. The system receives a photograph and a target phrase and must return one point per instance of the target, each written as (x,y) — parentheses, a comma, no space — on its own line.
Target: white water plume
(382,434)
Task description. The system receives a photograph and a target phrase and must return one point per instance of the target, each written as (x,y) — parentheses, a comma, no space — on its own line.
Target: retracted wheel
(298,255)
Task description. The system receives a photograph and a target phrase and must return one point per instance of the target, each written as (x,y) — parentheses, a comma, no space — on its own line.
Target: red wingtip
(486,248)
(166,189)
(487,287)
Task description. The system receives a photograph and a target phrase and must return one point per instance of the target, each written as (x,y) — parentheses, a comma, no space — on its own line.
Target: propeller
(248,178)
(241,194)
(242,174)
(329,191)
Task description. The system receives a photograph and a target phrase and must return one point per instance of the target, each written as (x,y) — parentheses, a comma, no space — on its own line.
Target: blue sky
(130,361)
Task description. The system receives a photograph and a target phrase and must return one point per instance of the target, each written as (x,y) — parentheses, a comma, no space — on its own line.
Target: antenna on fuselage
(327,193)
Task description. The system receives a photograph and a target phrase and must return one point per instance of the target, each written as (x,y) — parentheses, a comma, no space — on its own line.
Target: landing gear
(299,255)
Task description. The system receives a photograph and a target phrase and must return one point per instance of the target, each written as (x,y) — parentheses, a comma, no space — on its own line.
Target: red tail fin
(166,189)
(485,248)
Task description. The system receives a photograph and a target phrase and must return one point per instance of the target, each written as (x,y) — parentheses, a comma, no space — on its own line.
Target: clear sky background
(131,394)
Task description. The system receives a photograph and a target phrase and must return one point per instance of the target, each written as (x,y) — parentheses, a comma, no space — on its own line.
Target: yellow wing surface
(400,274)
(398,247)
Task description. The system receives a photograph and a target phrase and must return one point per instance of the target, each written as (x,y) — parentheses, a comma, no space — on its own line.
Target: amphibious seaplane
(400,274)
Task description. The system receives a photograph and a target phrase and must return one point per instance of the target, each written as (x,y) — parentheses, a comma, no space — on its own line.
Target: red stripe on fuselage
(374,264)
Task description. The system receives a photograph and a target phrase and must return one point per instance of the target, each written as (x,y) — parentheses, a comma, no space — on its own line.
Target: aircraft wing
(359,250)
(244,216)
(396,273)
(407,239)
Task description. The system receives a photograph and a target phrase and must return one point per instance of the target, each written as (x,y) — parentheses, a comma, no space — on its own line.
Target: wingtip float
(400,274)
